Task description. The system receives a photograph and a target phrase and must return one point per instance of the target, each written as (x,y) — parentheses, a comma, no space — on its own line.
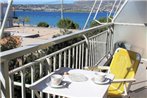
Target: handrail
(130,24)
(50,55)
(40,59)
(17,52)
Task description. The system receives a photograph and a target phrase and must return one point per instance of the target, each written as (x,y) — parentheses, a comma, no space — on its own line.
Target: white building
(3,7)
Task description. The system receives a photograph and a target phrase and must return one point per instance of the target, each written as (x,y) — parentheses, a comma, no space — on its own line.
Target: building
(3,7)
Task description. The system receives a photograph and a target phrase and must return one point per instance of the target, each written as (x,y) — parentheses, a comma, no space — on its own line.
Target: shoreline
(52,18)
(58,11)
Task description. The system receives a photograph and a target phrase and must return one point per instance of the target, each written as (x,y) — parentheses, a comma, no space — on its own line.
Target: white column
(4,80)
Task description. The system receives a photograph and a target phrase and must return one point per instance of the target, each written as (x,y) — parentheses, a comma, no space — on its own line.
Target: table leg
(106,95)
(37,94)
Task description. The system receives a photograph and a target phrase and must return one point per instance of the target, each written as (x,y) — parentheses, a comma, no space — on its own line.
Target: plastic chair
(124,66)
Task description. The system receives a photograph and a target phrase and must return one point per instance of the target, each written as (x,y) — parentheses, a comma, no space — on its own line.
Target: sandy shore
(44,33)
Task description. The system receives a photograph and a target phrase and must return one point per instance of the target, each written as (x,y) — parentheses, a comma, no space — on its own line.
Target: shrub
(10,43)
(94,23)
(43,24)
(67,24)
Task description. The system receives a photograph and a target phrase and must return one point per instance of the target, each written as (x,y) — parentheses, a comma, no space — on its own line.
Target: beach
(44,33)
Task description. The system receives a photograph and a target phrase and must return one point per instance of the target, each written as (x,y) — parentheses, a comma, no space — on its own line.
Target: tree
(26,20)
(94,23)
(102,20)
(67,24)
(43,24)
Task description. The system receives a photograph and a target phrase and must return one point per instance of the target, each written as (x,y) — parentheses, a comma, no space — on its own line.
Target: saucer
(62,84)
(101,83)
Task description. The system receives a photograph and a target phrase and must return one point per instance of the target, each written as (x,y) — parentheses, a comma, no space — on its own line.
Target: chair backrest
(124,66)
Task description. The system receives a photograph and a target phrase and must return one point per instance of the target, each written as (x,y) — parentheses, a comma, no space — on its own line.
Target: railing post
(87,51)
(41,75)
(65,58)
(80,50)
(111,30)
(107,43)
(77,59)
(4,78)
(22,73)
(11,85)
(73,57)
(83,52)
(49,65)
(54,62)
(32,80)
(69,57)
(87,57)
(23,90)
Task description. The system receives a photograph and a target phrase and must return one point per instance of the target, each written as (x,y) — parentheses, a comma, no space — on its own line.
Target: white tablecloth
(74,89)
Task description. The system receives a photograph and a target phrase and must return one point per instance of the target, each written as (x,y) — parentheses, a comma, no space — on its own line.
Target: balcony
(90,47)
(23,66)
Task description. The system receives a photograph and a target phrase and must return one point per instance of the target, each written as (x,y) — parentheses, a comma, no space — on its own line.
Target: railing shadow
(139,89)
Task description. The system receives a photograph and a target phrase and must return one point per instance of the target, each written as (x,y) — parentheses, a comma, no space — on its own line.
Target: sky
(38,1)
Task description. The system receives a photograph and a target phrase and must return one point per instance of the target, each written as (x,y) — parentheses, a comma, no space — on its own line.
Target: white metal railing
(86,52)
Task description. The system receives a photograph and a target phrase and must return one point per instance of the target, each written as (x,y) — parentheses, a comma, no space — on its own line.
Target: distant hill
(78,6)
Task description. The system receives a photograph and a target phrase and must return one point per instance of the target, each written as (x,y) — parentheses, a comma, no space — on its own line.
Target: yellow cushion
(124,65)
(114,91)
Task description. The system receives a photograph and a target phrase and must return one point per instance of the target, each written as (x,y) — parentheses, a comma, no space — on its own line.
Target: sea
(52,18)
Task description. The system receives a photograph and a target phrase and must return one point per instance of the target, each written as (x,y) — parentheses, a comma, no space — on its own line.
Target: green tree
(43,24)
(102,20)
(26,20)
(67,24)
(94,23)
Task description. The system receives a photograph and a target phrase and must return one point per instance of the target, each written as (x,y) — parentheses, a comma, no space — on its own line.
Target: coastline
(68,11)
(53,17)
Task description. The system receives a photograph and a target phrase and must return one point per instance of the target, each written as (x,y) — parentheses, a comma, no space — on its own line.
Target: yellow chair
(124,66)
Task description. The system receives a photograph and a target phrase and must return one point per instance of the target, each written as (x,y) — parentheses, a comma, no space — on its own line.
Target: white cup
(56,79)
(99,77)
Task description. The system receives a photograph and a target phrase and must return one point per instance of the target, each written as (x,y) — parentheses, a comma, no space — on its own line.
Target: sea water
(52,18)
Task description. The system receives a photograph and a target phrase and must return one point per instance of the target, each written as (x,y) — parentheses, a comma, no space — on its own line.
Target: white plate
(77,77)
(101,83)
(58,86)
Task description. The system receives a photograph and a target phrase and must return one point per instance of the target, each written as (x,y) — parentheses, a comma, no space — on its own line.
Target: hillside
(78,6)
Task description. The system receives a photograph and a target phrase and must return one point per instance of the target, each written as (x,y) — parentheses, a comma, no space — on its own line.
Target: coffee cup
(99,77)
(56,79)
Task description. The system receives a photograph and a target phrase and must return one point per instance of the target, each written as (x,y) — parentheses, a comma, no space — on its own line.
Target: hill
(78,6)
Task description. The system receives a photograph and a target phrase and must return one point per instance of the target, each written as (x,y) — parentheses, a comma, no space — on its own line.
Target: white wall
(134,12)
(134,35)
